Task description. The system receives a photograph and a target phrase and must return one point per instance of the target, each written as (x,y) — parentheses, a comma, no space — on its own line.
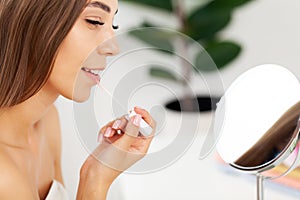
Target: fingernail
(107,132)
(112,133)
(100,138)
(138,107)
(137,120)
(117,124)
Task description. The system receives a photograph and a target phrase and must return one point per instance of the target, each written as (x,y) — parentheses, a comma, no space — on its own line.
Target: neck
(17,122)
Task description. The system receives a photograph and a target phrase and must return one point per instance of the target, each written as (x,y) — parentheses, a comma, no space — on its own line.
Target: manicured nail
(107,132)
(100,138)
(117,124)
(138,107)
(137,120)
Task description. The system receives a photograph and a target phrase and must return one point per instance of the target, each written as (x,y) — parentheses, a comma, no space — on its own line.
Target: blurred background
(266,31)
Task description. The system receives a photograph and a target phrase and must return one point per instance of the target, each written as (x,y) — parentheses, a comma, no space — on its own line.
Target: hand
(117,152)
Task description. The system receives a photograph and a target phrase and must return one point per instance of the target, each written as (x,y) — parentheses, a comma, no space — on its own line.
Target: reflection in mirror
(258,120)
(274,142)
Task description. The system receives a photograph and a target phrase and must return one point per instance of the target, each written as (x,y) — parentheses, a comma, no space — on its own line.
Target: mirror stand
(260,178)
(260,186)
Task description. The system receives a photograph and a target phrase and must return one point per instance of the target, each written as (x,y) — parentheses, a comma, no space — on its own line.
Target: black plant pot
(194,104)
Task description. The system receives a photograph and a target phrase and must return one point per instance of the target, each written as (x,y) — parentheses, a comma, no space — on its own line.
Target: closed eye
(94,22)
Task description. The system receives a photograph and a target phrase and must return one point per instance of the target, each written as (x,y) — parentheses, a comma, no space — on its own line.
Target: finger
(146,116)
(116,124)
(103,129)
(106,137)
(148,119)
(119,123)
(122,127)
(112,139)
(119,126)
(118,131)
(131,133)
(109,132)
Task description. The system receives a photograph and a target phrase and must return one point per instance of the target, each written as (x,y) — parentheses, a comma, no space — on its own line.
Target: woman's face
(93,30)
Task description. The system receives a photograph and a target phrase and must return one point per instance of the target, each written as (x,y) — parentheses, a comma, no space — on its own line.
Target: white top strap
(57,192)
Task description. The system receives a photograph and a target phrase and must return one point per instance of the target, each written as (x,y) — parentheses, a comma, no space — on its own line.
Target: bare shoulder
(12,180)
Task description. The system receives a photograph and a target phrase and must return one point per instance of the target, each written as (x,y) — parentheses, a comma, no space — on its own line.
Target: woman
(43,46)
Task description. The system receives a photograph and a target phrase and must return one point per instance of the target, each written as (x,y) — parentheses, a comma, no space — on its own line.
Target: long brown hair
(273,141)
(31,32)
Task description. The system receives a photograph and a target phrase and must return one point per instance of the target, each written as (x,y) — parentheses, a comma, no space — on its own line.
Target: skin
(30,146)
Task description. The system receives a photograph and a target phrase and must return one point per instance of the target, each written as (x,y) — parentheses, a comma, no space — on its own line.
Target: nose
(109,46)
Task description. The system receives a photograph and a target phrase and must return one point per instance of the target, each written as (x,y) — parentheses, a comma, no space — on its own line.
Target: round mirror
(258,119)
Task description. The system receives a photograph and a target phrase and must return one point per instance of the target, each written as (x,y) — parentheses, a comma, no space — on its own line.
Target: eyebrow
(98,4)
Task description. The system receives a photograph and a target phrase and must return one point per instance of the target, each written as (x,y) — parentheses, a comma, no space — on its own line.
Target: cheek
(67,66)
(71,55)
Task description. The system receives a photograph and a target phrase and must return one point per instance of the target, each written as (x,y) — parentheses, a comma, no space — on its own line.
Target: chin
(81,97)
(80,100)
(78,96)
(81,91)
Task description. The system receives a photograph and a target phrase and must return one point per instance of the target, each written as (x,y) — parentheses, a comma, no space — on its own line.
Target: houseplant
(203,24)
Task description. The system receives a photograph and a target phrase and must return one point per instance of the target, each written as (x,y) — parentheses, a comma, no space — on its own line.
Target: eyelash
(93,22)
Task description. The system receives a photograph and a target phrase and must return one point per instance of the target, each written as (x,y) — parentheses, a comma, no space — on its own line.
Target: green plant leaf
(207,21)
(159,38)
(230,4)
(222,53)
(159,4)
(158,72)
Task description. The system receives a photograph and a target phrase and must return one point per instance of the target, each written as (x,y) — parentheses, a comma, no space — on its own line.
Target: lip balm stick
(145,129)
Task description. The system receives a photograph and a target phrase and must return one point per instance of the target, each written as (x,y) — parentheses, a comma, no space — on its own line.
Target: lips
(92,73)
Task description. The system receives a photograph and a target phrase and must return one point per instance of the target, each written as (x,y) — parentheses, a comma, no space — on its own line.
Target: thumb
(131,133)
